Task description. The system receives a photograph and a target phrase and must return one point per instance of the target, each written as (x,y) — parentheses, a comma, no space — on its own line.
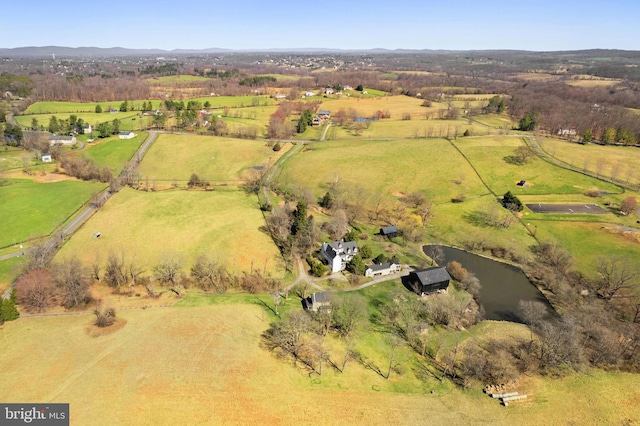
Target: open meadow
(31,210)
(389,168)
(113,152)
(145,226)
(205,358)
(491,156)
(621,163)
(216,159)
(131,120)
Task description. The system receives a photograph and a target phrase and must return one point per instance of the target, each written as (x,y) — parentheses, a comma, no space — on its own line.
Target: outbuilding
(430,280)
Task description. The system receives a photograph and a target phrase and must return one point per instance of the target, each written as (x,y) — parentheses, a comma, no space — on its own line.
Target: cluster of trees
(83,168)
(257,81)
(281,127)
(302,334)
(60,125)
(17,85)
(107,128)
(44,285)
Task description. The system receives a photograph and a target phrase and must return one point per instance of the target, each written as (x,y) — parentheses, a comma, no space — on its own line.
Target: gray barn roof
(432,275)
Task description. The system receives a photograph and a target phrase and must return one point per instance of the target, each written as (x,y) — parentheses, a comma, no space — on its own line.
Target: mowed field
(206,365)
(113,152)
(212,158)
(618,162)
(384,167)
(144,226)
(130,120)
(489,156)
(29,209)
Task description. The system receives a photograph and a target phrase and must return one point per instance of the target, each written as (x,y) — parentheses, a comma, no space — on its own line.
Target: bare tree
(616,273)
(169,269)
(209,274)
(279,224)
(337,227)
(105,315)
(35,291)
(72,279)
(115,273)
(629,205)
(393,358)
(289,334)
(349,312)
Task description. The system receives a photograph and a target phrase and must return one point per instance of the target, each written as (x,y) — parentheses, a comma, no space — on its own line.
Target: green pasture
(55,108)
(30,210)
(234,101)
(11,158)
(384,167)
(10,270)
(494,120)
(460,223)
(588,241)
(130,120)
(489,155)
(144,226)
(113,152)
(618,162)
(216,159)
(417,127)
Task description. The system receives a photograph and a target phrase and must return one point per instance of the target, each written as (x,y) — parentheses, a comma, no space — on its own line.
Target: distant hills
(61,52)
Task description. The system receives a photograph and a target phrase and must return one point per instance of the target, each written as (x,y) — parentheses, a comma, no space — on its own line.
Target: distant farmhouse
(87,129)
(324,114)
(338,253)
(126,135)
(382,269)
(62,140)
(318,302)
(430,280)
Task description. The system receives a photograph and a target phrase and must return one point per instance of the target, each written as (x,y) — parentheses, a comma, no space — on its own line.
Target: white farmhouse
(338,253)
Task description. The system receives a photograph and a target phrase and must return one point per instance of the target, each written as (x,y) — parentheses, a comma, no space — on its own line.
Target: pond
(503,285)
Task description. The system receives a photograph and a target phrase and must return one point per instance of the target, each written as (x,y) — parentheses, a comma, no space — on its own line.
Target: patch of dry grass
(205,365)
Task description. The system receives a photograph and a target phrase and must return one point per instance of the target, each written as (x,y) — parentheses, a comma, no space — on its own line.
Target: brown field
(206,365)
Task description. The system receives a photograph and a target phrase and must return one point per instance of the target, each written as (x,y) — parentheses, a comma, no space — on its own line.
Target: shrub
(105,316)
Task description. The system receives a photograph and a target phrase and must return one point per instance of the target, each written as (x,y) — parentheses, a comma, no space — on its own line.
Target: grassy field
(604,239)
(146,225)
(385,167)
(9,271)
(54,108)
(618,162)
(130,120)
(113,152)
(30,210)
(205,362)
(213,158)
(489,157)
(11,158)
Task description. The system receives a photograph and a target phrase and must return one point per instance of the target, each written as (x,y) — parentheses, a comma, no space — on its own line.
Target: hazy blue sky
(252,24)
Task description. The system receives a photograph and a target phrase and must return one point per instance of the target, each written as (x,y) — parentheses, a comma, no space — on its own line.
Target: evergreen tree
(98,109)
(356,265)
(8,310)
(299,218)
(587,136)
(511,202)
